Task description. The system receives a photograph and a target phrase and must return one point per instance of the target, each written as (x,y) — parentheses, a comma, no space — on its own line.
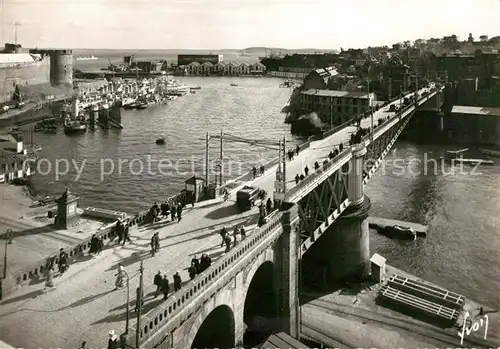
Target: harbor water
(461,251)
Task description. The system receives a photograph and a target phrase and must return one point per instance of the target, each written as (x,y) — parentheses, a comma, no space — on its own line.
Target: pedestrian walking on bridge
(306,170)
(223,234)
(177,281)
(179,212)
(297,149)
(165,287)
(157,282)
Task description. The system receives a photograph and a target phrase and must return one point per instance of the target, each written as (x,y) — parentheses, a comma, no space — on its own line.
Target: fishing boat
(195,88)
(74,126)
(490,152)
(130,106)
(160,141)
(397,232)
(234,84)
(142,105)
(456,158)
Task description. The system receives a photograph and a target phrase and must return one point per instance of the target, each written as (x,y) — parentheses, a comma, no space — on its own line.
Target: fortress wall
(22,74)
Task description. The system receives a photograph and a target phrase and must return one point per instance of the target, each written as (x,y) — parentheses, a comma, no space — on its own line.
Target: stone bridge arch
(219,312)
(258,297)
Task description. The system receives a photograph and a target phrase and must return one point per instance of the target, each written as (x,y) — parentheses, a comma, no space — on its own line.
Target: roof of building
(208,63)
(223,64)
(10,58)
(378,259)
(335,93)
(462,109)
(245,64)
(259,64)
(194,63)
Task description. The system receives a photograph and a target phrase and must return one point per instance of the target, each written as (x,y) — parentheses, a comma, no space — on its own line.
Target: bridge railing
(343,157)
(184,302)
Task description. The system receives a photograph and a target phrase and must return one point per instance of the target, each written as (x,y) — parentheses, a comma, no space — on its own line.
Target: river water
(461,251)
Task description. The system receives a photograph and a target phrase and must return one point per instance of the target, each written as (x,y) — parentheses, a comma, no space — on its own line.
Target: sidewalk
(84,306)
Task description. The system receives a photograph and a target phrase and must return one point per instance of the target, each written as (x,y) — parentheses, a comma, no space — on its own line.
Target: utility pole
(207,160)
(221,164)
(139,310)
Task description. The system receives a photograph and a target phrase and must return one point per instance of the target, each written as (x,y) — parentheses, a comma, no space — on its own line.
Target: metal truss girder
(372,171)
(316,208)
(309,186)
(307,243)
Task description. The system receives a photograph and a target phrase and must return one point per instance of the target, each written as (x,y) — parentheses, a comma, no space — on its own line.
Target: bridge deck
(84,306)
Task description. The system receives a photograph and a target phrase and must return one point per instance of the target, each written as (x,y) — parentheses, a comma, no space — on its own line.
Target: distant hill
(262,51)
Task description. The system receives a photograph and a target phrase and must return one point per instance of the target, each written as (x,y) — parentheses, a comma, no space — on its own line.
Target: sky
(237,24)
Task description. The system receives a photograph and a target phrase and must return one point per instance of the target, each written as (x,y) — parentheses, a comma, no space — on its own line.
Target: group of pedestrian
(291,154)
(335,152)
(122,232)
(163,285)
(96,245)
(227,238)
(165,210)
(261,171)
(199,265)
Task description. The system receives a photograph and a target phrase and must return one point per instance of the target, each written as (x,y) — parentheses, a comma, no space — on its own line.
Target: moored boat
(490,152)
(397,232)
(74,126)
(142,105)
(160,140)
(234,84)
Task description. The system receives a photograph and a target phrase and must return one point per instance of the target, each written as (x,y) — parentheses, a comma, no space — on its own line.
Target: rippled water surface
(461,251)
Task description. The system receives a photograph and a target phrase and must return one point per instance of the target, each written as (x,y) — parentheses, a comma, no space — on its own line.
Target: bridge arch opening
(217,330)
(261,306)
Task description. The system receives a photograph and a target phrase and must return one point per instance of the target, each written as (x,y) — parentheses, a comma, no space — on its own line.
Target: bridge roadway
(84,306)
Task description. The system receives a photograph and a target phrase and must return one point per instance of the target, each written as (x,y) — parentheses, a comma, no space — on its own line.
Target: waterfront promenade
(85,305)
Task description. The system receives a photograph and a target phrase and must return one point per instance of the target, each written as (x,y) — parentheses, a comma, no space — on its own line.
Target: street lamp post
(9,234)
(127,318)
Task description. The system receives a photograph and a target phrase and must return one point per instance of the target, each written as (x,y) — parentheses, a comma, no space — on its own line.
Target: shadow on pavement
(86,300)
(223,212)
(132,259)
(32,294)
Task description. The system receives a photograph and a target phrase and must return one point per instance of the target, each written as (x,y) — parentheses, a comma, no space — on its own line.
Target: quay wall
(22,74)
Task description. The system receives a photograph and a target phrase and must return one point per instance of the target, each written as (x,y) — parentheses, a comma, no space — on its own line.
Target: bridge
(257,279)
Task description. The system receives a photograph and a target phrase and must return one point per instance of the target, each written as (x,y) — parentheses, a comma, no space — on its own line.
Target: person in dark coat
(306,170)
(243,233)
(192,271)
(269,205)
(126,235)
(113,340)
(297,149)
(205,262)
(93,244)
(157,282)
(177,282)
(227,241)
(223,234)
(196,264)
(165,287)
(139,300)
(173,212)
(179,212)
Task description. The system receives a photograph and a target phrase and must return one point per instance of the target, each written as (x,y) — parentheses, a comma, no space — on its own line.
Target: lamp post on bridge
(280,183)
(9,235)
(139,310)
